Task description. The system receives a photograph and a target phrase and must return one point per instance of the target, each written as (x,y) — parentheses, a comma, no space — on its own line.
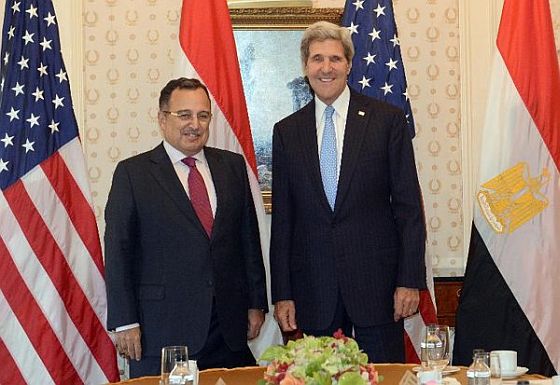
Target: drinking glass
(437,346)
(495,371)
(175,366)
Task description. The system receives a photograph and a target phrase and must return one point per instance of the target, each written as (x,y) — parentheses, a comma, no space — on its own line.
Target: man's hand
(256,319)
(406,302)
(128,343)
(285,315)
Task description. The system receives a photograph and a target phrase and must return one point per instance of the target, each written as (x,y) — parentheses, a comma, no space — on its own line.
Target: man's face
(187,132)
(327,69)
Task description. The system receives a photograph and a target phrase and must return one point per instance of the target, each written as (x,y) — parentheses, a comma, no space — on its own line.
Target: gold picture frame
(267,42)
(282,18)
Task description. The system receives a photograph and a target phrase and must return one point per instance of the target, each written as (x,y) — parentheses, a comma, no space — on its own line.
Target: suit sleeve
(120,240)
(406,202)
(254,267)
(280,242)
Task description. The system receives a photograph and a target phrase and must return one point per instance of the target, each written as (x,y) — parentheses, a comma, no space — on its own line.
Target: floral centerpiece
(318,361)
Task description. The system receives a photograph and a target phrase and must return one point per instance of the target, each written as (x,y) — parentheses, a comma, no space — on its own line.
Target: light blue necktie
(328,157)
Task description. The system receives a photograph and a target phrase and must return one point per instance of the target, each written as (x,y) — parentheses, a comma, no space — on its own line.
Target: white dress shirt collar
(182,171)
(177,156)
(340,106)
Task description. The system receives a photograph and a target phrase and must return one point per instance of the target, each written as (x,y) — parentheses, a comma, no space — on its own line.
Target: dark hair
(181,84)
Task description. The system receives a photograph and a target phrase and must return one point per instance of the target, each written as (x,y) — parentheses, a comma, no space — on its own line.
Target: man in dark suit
(182,250)
(348,232)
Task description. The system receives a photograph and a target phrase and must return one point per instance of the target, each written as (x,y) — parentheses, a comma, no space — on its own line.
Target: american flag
(52,288)
(377,67)
(378,71)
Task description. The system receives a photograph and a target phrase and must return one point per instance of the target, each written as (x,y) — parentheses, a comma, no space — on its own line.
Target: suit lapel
(356,124)
(308,138)
(163,172)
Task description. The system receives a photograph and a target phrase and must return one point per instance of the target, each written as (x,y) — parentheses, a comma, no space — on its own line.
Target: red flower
(339,335)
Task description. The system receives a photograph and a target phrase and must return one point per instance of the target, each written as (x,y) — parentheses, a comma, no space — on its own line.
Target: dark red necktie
(199,196)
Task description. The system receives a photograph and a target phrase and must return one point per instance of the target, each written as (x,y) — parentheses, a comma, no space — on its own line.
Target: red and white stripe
(523,125)
(415,326)
(207,52)
(52,289)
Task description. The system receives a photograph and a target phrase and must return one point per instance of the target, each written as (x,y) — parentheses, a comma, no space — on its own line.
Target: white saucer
(447,370)
(521,370)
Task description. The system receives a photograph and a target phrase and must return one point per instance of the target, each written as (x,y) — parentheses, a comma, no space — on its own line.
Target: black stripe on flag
(489,317)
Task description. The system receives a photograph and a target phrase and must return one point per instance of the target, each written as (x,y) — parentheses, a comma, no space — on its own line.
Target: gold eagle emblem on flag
(512,198)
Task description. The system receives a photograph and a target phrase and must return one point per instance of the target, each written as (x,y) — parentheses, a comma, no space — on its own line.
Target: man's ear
(161,118)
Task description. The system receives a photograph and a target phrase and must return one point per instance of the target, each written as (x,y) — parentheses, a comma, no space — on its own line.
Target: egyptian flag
(511,295)
(207,51)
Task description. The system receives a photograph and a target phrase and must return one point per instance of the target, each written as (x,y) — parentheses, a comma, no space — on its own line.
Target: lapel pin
(361,113)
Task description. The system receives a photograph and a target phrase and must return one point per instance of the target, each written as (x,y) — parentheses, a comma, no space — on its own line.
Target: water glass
(437,346)
(495,371)
(175,366)
(451,343)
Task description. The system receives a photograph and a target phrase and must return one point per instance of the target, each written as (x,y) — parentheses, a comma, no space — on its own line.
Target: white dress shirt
(340,106)
(182,171)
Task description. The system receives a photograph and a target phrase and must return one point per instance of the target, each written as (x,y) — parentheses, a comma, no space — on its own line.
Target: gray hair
(321,31)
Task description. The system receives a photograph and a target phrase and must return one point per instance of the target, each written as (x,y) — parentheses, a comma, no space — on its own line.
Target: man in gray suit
(182,250)
(348,232)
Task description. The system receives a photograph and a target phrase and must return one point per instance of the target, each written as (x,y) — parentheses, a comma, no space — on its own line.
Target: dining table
(391,373)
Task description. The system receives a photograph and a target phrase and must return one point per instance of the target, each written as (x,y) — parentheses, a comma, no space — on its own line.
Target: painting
(267,41)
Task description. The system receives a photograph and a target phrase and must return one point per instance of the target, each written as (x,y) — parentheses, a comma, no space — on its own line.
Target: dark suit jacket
(163,271)
(374,240)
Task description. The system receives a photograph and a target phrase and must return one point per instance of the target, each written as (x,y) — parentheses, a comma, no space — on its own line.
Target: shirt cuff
(127,327)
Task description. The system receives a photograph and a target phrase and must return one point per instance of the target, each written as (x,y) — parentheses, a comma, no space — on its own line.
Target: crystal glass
(495,371)
(175,366)
(437,346)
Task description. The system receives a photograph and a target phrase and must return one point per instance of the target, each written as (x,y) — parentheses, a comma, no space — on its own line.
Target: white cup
(556,380)
(425,377)
(193,367)
(508,361)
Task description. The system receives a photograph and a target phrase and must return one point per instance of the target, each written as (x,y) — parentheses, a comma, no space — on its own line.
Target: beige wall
(120,52)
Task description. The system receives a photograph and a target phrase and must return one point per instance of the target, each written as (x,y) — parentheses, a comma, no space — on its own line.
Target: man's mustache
(191,131)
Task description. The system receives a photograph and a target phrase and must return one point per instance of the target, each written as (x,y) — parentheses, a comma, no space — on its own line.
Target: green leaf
(321,379)
(274,352)
(351,378)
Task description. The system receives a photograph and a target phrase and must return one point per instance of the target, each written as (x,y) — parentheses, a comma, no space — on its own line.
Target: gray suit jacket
(163,271)
(374,239)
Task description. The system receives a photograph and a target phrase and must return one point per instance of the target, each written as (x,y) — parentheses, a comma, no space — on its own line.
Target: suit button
(210,283)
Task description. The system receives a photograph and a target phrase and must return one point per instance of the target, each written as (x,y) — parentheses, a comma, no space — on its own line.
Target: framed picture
(267,41)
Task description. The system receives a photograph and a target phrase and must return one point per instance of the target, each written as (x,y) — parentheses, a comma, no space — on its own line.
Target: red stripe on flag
(76,205)
(409,351)
(428,314)
(206,37)
(34,323)
(10,373)
(53,261)
(533,65)
(427,308)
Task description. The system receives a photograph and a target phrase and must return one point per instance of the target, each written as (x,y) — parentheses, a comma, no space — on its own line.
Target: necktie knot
(329,112)
(189,161)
